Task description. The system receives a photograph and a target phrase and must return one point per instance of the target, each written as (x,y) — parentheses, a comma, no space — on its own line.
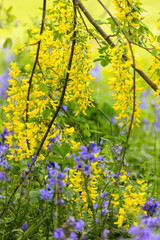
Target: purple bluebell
(113,120)
(73,235)
(66,169)
(104,211)
(95,205)
(105,204)
(46,194)
(157,109)
(55,165)
(9,168)
(97,221)
(3,162)
(24,226)
(49,147)
(143,104)
(77,159)
(56,139)
(26,170)
(28,164)
(79,225)
(60,201)
(118,150)
(34,159)
(71,220)
(103,195)
(84,152)
(105,234)
(79,165)
(94,148)
(2,177)
(87,169)
(58,233)
(151,207)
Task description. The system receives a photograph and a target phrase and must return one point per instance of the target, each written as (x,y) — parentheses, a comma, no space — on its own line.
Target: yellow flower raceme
(122,83)
(130,202)
(48,81)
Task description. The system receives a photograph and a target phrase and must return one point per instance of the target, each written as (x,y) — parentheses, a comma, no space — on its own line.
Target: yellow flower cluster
(128,13)
(122,83)
(48,80)
(130,203)
(77,180)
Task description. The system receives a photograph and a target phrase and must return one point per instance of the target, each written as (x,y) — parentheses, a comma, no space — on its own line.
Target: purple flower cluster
(151,207)
(87,156)
(55,178)
(149,225)
(143,233)
(67,231)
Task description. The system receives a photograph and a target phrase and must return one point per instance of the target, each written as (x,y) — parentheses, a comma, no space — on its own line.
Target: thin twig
(147,49)
(111,43)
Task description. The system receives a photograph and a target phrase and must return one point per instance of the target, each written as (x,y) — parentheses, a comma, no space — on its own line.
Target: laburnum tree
(73,201)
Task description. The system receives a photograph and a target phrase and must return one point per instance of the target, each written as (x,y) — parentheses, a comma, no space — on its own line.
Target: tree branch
(111,43)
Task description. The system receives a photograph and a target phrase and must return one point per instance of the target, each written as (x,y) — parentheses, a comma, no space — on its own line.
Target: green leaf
(68,193)
(158,72)
(154,52)
(56,149)
(68,162)
(158,39)
(35,196)
(7,43)
(31,229)
(104,62)
(43,87)
(95,131)
(65,149)
(99,22)
(46,113)
(54,158)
